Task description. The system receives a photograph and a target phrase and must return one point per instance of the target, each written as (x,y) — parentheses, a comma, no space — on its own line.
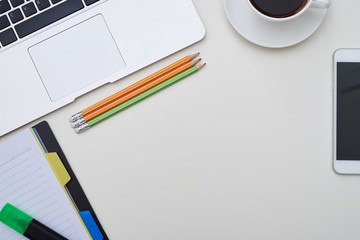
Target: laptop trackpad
(76,57)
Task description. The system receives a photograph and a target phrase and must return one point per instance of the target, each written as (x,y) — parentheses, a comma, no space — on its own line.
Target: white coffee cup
(323,4)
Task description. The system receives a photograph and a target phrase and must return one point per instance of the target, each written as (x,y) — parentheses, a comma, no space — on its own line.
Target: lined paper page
(28,182)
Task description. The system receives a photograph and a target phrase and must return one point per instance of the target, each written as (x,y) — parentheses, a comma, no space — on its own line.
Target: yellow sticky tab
(58,167)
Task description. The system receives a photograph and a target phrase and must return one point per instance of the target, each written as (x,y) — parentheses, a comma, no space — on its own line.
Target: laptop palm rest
(76,57)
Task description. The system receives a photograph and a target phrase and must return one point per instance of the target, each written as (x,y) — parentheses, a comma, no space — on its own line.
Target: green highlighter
(26,225)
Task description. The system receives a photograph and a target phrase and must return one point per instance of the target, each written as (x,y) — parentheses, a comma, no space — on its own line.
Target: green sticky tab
(15,218)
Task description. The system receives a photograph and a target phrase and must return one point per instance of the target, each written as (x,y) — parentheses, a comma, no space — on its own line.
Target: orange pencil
(184,61)
(97,112)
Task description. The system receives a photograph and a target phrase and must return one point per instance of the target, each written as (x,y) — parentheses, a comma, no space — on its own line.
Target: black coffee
(279,8)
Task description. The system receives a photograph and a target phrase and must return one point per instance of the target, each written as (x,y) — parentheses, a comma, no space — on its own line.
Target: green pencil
(138,98)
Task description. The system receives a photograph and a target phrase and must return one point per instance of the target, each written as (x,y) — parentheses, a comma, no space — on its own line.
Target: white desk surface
(240,150)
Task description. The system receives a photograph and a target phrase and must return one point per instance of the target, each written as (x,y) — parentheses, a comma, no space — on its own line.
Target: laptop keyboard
(20,18)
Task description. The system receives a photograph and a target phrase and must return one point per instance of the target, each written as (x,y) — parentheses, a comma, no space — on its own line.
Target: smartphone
(347,111)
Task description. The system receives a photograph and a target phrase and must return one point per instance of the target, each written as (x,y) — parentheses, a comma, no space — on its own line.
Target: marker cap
(15,218)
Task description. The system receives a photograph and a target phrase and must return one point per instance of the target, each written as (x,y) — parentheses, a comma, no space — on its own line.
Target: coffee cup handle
(320,4)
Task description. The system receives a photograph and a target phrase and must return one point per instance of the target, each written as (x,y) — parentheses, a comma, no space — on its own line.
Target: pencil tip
(200,66)
(196,61)
(192,56)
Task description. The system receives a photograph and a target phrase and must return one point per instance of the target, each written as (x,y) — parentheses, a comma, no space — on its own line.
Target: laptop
(53,51)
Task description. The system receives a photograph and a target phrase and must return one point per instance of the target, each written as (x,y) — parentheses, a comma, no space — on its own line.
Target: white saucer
(272,34)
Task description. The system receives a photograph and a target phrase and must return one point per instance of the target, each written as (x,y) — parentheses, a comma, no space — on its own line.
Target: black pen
(26,225)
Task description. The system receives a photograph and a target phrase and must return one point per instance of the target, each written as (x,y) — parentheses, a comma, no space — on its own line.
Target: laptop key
(48,17)
(16,16)
(4,22)
(55,1)
(16,3)
(8,36)
(4,6)
(42,4)
(29,9)
(89,2)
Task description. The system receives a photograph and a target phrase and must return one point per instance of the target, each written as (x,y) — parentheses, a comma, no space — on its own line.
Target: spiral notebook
(36,178)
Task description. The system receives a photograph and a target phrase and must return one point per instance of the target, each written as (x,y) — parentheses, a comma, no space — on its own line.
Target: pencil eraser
(76,117)
(82,128)
(78,123)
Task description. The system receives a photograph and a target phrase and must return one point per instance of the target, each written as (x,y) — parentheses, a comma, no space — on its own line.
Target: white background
(240,150)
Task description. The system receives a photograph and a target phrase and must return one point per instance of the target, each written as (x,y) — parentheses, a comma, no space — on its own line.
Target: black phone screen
(348,111)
